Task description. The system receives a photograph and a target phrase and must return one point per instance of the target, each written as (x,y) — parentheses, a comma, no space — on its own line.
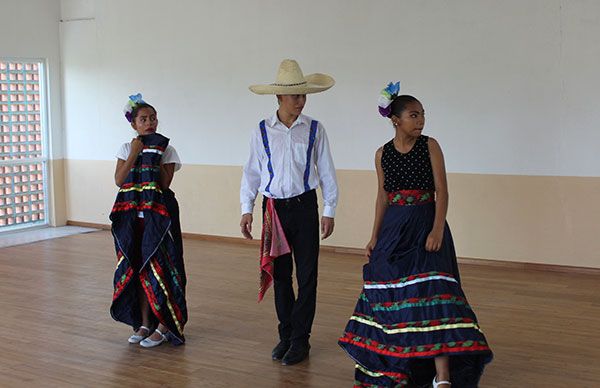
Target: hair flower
(134,99)
(387,96)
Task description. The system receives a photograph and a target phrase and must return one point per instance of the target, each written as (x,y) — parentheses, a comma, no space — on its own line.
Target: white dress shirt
(288,148)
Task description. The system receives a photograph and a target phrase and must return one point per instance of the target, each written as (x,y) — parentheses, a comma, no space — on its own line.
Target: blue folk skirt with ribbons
(150,255)
(412,308)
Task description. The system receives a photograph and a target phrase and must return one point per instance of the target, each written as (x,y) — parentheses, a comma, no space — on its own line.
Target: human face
(411,120)
(145,122)
(291,104)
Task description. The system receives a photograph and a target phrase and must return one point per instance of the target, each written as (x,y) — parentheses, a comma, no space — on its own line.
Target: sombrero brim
(315,83)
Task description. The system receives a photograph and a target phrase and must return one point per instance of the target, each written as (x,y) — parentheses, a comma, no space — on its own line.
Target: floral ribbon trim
(410,197)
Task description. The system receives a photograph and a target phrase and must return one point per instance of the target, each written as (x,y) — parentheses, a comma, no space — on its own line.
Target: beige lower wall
(57,199)
(550,220)
(532,219)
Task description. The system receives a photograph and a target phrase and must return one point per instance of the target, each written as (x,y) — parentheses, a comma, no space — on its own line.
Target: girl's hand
(136,146)
(434,241)
(370,246)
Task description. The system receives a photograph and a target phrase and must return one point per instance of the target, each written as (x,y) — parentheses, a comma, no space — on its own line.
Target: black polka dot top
(409,171)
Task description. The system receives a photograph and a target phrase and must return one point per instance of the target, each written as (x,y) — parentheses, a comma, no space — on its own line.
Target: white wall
(29,30)
(509,86)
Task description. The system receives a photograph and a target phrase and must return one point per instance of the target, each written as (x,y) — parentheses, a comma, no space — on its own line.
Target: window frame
(44,159)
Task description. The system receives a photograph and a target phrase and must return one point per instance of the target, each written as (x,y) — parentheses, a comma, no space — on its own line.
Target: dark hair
(399,104)
(139,107)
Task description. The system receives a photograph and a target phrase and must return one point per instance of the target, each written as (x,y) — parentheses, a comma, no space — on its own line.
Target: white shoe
(134,339)
(149,343)
(437,384)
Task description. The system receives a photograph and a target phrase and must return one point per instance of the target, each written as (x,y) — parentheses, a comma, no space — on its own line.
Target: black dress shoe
(280,350)
(297,353)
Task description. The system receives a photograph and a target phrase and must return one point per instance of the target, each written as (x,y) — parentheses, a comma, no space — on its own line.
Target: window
(23,155)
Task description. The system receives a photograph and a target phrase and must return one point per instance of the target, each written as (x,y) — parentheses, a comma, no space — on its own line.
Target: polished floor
(26,236)
(56,330)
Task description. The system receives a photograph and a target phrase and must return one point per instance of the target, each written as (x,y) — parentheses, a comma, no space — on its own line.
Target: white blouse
(169,156)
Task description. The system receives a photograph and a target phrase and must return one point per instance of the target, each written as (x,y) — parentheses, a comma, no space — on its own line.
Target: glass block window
(23,160)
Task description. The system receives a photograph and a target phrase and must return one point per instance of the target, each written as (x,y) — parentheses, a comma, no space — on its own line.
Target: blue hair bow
(136,98)
(393,88)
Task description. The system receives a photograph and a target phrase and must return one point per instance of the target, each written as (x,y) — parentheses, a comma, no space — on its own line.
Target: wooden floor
(56,330)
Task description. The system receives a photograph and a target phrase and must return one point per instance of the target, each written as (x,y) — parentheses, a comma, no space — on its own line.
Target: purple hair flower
(385,112)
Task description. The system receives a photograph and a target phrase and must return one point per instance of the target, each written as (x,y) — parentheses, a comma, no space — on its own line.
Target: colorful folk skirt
(412,308)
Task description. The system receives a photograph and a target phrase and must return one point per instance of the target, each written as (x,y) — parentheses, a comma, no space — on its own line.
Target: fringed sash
(273,244)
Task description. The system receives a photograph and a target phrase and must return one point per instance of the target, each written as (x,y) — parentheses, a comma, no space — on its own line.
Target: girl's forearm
(123,170)
(441,210)
(165,177)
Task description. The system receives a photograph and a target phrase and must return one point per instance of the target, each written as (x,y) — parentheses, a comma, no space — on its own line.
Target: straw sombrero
(290,80)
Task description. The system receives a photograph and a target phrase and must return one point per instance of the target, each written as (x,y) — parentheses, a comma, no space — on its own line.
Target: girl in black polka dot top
(412,322)
(411,161)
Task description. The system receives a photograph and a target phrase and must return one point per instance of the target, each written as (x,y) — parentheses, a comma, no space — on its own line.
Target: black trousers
(299,218)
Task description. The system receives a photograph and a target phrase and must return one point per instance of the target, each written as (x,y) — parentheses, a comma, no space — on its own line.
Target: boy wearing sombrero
(289,159)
